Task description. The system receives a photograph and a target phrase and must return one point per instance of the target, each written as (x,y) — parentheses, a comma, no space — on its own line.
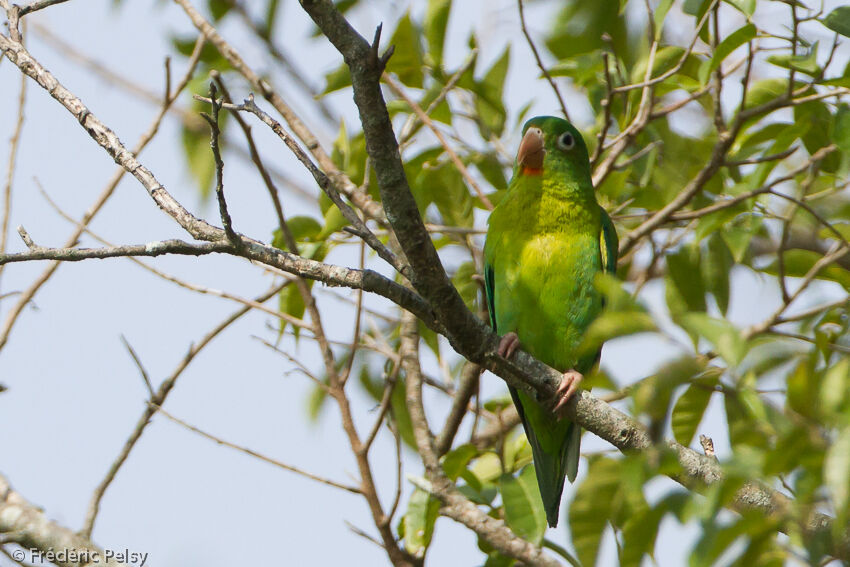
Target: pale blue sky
(74,393)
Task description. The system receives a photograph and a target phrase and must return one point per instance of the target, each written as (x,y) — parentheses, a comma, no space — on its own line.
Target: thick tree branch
(24,523)
(467,334)
(360,198)
(428,276)
(455,505)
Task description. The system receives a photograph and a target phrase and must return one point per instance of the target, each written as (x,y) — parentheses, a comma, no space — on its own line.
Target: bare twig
(38,5)
(10,171)
(29,293)
(215,133)
(539,61)
(156,401)
(399,92)
(256,455)
(139,365)
(323,181)
(27,525)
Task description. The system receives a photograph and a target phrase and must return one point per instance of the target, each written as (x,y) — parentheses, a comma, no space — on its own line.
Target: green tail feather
(556,455)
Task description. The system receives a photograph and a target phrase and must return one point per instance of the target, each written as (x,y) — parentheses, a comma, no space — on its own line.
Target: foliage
(765,196)
(719,134)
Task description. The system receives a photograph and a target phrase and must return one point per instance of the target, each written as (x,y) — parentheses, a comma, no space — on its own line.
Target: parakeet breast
(545,260)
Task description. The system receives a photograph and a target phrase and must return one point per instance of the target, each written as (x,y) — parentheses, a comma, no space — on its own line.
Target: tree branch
(466,333)
(26,524)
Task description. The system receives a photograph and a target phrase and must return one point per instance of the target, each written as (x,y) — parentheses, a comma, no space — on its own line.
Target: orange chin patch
(532,170)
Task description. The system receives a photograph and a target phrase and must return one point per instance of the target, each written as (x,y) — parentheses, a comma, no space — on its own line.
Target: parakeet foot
(507,346)
(566,390)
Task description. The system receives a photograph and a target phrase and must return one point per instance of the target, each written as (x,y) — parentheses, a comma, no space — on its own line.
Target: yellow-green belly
(544,293)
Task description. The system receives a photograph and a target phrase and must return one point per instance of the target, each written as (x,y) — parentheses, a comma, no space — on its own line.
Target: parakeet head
(551,143)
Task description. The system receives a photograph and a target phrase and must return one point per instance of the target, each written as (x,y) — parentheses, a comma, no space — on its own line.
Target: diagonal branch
(26,524)
(455,505)
(467,334)
(155,402)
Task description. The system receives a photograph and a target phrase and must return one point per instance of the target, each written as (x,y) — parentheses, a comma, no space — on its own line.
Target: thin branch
(468,385)
(29,293)
(343,184)
(151,249)
(38,5)
(10,170)
(156,401)
(215,133)
(27,525)
(468,334)
(322,180)
(399,92)
(139,365)
(539,61)
(256,455)
(455,505)
(412,121)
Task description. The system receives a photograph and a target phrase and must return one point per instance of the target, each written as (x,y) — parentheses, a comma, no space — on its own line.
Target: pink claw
(508,345)
(566,390)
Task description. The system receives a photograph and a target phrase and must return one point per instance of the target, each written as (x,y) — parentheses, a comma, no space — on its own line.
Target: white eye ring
(566,141)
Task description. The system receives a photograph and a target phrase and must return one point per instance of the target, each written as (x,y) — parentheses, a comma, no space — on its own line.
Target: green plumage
(547,240)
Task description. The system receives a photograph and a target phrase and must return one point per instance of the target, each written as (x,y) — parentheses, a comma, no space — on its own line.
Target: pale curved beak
(531,152)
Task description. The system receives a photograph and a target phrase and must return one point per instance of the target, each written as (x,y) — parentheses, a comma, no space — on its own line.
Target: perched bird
(547,239)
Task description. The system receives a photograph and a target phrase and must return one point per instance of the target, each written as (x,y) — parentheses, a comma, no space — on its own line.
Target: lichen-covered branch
(26,524)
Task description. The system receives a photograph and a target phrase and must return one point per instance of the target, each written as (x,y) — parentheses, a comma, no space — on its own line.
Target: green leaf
(416,527)
(803,390)
(835,387)
(764,91)
(436,20)
(738,234)
(841,131)
(613,324)
(199,158)
(732,42)
(839,20)
(291,302)
(836,476)
(666,58)
(690,407)
(807,64)
(725,338)
(799,262)
(652,395)
(524,511)
(455,461)
(715,271)
(819,121)
(639,533)
(487,468)
(466,286)
(748,7)
(337,79)
(406,61)
(516,452)
(592,506)
(683,269)
(401,415)
(489,103)
(334,222)
(579,28)
(219,9)
(659,15)
(302,228)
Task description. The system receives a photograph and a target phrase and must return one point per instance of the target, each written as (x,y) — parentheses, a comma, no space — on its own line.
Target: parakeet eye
(566,141)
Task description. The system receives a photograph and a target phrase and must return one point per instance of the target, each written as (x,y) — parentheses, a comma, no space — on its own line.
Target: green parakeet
(547,240)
